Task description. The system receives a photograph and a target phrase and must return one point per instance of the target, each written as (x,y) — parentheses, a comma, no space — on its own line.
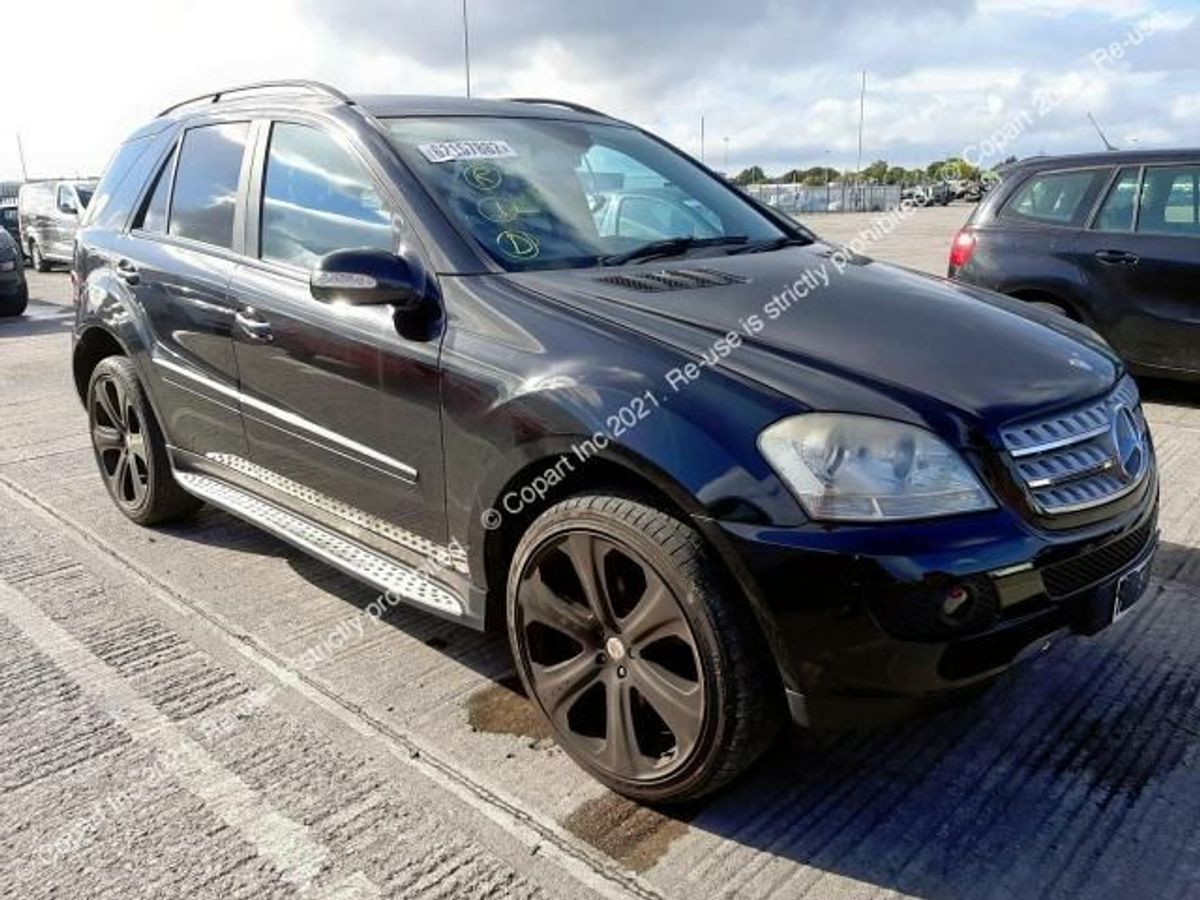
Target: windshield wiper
(770,244)
(669,247)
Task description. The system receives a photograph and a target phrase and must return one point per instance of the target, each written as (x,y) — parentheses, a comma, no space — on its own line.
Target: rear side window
(1058,198)
(1170,201)
(1120,205)
(317,198)
(206,183)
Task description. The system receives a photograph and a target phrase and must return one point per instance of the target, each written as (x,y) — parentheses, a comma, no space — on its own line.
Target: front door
(342,413)
(1141,258)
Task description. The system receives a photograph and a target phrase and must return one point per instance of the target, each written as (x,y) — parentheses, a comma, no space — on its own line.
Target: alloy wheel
(119,439)
(610,656)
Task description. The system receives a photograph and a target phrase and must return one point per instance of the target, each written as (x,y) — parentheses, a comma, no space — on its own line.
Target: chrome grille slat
(1070,461)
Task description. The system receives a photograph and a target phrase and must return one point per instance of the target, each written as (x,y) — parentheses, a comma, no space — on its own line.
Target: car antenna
(1107,146)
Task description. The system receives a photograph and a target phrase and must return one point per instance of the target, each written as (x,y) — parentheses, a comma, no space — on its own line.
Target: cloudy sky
(779,79)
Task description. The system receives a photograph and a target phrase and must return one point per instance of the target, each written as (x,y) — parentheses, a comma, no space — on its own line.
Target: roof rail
(316,87)
(566,104)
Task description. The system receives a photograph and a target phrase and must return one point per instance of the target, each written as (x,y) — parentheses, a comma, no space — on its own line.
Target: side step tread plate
(355,560)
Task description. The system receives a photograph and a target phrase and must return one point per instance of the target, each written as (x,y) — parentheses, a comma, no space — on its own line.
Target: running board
(379,571)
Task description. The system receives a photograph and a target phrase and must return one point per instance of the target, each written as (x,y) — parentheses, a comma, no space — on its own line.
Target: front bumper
(854,613)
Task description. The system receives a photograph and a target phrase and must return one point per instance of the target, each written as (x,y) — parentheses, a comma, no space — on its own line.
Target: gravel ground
(167,730)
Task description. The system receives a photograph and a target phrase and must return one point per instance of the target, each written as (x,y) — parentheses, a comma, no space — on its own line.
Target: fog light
(956,603)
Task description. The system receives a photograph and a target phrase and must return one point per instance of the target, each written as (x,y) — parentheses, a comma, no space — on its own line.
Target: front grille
(1085,457)
(673,280)
(1066,578)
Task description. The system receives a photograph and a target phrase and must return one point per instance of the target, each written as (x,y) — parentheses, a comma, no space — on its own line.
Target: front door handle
(252,325)
(127,272)
(1117,258)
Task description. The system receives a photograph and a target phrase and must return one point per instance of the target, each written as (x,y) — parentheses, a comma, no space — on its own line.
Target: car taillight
(961,249)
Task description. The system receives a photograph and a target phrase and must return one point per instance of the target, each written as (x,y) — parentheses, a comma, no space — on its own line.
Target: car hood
(853,334)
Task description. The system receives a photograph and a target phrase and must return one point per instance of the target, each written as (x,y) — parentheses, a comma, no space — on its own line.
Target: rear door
(64,224)
(1142,259)
(179,262)
(342,413)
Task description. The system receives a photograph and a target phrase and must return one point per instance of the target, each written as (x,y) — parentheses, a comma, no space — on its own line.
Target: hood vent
(673,280)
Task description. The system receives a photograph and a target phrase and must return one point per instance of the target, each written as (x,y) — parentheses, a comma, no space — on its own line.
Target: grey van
(48,213)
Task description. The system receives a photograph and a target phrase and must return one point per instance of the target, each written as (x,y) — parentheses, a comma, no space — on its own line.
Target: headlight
(858,468)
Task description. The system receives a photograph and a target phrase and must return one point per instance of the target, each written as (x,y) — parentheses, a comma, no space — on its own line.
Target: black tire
(16,305)
(129,447)
(36,259)
(739,706)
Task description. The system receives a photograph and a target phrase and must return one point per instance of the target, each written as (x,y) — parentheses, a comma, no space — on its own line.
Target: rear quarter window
(122,182)
(1055,198)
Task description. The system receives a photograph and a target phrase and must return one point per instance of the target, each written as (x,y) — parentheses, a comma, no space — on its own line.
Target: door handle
(127,272)
(1117,258)
(253,326)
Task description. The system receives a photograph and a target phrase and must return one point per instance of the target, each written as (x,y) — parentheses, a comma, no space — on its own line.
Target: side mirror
(370,278)
(69,208)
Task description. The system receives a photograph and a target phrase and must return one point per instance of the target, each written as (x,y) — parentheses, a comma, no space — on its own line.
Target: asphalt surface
(201,711)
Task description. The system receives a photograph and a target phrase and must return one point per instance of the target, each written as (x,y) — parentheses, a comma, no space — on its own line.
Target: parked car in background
(9,220)
(49,213)
(14,292)
(1111,240)
(939,193)
(702,487)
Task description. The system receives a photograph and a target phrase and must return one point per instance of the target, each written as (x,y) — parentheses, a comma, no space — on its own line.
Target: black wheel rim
(120,443)
(610,656)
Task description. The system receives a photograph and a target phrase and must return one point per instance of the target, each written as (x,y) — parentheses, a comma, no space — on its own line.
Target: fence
(833,197)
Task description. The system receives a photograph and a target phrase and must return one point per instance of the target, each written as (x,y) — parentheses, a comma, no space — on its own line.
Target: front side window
(206,183)
(1170,202)
(84,193)
(317,198)
(1120,205)
(550,193)
(1055,197)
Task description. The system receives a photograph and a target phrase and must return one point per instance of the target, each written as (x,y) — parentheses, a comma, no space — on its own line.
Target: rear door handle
(252,325)
(127,272)
(1117,258)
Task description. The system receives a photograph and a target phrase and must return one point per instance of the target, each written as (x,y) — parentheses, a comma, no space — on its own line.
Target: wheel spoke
(137,483)
(677,701)
(582,549)
(620,752)
(137,446)
(560,685)
(105,438)
(540,604)
(655,617)
(107,404)
(120,474)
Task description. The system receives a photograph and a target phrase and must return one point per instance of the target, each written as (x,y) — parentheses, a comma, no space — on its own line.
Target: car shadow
(39,318)
(1169,393)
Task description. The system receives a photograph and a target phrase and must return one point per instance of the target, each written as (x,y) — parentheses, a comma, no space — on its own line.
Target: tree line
(878,172)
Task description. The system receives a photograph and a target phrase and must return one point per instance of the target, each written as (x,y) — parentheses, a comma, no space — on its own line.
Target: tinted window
(85,195)
(8,215)
(317,198)
(1171,201)
(153,216)
(114,193)
(1054,197)
(206,183)
(1119,205)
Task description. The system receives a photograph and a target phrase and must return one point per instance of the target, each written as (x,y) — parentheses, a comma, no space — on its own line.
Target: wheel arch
(93,344)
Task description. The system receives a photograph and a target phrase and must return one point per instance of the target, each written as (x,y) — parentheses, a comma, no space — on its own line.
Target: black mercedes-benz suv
(706,468)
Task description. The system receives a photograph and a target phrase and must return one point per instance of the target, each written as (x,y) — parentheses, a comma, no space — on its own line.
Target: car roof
(390,105)
(1104,158)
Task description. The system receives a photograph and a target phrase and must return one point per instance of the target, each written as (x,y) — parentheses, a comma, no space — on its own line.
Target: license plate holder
(1130,588)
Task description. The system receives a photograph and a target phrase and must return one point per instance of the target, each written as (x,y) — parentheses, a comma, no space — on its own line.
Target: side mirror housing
(68,208)
(370,278)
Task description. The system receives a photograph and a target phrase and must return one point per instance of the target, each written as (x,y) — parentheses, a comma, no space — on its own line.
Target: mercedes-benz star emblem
(1127,440)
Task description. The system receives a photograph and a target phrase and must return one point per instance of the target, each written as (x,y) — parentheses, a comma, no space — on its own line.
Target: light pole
(467,47)
(726,164)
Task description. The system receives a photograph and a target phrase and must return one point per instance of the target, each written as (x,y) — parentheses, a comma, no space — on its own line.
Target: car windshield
(84,194)
(548,193)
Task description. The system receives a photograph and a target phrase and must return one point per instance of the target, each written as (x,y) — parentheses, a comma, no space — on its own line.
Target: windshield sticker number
(450,151)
